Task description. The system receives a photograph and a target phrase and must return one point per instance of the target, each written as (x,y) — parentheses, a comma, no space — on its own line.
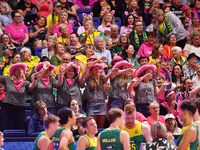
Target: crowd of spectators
(152,58)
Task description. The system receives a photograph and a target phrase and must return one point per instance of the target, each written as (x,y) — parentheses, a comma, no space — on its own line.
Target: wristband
(131,91)
(35,78)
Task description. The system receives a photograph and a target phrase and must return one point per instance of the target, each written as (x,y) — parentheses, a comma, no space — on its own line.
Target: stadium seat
(75,28)
(118,22)
(96,22)
(14,133)
(28,106)
(38,51)
(81,11)
(27,113)
(19,48)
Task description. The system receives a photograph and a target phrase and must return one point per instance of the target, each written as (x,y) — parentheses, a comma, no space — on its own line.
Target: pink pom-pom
(84,14)
(126,13)
(91,14)
(113,12)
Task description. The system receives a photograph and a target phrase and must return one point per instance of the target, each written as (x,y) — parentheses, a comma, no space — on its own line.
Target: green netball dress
(193,145)
(136,136)
(39,135)
(110,140)
(56,140)
(92,143)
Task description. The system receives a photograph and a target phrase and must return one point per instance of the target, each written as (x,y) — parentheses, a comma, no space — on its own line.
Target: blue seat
(96,22)
(118,22)
(81,11)
(38,51)
(75,28)
(14,133)
(19,48)
(27,113)
(28,106)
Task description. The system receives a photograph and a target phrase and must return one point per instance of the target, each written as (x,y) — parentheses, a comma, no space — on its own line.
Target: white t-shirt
(192,49)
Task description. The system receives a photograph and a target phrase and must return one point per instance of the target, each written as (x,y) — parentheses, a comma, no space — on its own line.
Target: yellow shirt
(50,21)
(32,63)
(152,61)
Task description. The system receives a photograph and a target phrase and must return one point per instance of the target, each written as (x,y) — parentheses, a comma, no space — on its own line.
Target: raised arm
(194,92)
(136,81)
(158,90)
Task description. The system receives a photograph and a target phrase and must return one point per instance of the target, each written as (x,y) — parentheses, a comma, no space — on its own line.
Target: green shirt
(56,140)
(193,145)
(110,140)
(55,60)
(35,143)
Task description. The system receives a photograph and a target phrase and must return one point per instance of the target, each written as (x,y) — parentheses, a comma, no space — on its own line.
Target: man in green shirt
(113,137)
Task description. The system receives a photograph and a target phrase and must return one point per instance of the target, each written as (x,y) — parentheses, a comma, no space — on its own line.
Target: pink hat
(12,68)
(165,57)
(143,68)
(123,63)
(40,65)
(185,7)
(92,57)
(75,67)
(116,58)
(97,65)
(171,94)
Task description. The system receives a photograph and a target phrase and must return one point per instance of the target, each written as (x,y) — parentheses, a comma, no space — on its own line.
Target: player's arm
(43,142)
(50,146)
(98,142)
(146,133)
(82,143)
(125,140)
(65,138)
(188,137)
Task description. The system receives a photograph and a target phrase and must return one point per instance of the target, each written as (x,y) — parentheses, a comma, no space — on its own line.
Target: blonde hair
(90,22)
(8,8)
(119,79)
(52,38)
(158,12)
(129,4)
(61,26)
(158,130)
(14,77)
(86,18)
(56,48)
(104,19)
(93,84)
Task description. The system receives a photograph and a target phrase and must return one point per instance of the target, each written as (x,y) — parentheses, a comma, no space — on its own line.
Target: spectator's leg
(19,117)
(6,111)
(37,43)
(44,43)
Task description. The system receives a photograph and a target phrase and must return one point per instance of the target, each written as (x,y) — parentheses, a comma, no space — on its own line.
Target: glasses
(17,16)
(189,83)
(42,108)
(193,59)
(155,108)
(65,59)
(5,38)
(139,25)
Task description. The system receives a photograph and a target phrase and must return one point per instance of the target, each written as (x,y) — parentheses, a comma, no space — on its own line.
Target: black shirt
(31,17)
(177,11)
